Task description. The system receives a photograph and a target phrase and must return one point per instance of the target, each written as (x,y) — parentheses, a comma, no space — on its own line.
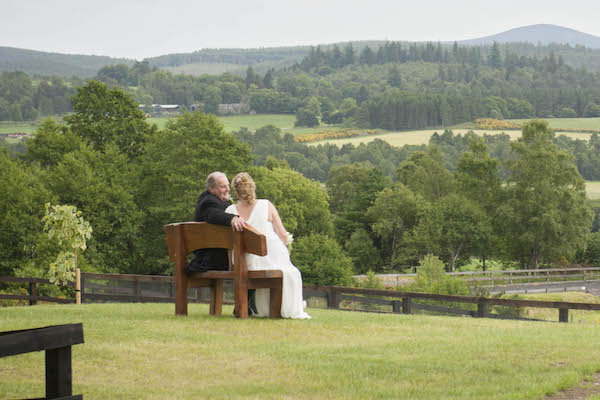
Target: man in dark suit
(210,208)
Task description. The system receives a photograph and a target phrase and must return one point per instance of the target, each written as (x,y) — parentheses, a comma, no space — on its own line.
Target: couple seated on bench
(214,207)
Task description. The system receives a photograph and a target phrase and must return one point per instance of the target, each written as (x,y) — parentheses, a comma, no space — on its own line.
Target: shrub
(432,278)
(322,261)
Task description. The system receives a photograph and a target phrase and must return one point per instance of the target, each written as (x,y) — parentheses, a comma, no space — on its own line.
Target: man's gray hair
(211,179)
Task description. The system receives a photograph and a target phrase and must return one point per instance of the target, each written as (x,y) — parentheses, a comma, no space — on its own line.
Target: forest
(392,86)
(378,208)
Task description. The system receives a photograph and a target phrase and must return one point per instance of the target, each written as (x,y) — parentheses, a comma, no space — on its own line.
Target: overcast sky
(139,29)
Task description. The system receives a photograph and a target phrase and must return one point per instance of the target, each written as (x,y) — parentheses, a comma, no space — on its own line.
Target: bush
(432,278)
(322,261)
(371,281)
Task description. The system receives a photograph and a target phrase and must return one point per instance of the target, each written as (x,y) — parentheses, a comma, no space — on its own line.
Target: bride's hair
(244,187)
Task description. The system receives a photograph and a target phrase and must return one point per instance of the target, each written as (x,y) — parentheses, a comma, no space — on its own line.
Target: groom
(210,208)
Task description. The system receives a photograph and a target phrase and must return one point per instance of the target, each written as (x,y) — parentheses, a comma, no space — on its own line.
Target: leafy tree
(425,174)
(362,251)
(50,143)
(104,187)
(545,215)
(306,117)
(65,224)
(22,198)
(302,204)
(104,116)
(353,189)
(322,261)
(394,213)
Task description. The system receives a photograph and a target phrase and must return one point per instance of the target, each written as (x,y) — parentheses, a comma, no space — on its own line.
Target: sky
(138,29)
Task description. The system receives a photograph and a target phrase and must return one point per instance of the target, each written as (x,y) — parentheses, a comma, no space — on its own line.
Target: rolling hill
(39,62)
(544,34)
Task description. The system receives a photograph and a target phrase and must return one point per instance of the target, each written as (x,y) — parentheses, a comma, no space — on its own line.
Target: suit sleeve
(216,215)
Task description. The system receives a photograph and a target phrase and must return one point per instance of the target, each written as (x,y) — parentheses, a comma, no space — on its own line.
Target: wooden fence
(506,277)
(32,295)
(149,288)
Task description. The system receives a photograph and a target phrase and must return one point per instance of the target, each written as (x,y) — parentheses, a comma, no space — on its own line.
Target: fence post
(333,298)
(136,290)
(32,293)
(396,306)
(77,286)
(563,315)
(406,305)
(483,307)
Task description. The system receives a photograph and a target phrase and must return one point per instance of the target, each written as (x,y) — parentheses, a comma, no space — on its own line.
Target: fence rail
(506,277)
(32,295)
(145,288)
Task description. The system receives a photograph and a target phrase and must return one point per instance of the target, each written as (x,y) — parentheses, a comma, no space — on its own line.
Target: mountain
(39,62)
(543,33)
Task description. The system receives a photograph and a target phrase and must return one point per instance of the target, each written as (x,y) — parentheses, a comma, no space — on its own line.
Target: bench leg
(181,300)
(216,298)
(275,302)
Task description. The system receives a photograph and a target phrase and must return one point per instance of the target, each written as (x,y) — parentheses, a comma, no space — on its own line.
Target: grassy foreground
(139,351)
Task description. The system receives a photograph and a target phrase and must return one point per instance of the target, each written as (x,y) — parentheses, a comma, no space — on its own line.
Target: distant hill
(543,33)
(39,62)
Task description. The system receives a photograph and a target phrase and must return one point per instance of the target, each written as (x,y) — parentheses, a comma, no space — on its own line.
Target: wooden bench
(185,237)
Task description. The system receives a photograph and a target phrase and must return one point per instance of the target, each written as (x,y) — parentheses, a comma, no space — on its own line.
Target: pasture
(565,124)
(593,189)
(420,137)
(139,351)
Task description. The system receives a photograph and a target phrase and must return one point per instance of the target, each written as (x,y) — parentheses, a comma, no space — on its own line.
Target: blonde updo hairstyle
(244,187)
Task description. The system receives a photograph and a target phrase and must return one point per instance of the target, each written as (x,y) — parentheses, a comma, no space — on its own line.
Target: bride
(263,216)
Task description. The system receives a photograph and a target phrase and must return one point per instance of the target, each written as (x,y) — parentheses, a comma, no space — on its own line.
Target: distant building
(233,108)
(161,108)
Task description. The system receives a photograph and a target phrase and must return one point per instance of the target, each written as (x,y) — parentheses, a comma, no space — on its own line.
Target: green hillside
(39,62)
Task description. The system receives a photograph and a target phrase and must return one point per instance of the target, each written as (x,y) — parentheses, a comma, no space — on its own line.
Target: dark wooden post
(82,290)
(406,305)
(483,308)
(563,315)
(397,306)
(333,298)
(137,291)
(58,373)
(32,293)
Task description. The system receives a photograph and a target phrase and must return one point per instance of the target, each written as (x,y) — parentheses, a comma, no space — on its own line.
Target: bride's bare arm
(277,224)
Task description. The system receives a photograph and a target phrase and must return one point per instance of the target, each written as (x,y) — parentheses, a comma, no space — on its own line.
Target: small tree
(65,224)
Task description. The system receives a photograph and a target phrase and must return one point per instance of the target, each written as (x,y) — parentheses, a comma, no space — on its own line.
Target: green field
(142,351)
(198,69)
(593,189)
(17,127)
(565,124)
(400,139)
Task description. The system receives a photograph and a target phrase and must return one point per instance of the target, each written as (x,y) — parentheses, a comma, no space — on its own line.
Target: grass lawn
(139,351)
(550,314)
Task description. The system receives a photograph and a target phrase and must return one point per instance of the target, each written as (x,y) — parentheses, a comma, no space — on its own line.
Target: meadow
(140,351)
(420,137)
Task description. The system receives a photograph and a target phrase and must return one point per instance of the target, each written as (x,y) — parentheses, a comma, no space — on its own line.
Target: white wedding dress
(278,257)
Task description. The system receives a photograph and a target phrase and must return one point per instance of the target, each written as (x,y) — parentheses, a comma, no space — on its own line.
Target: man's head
(218,184)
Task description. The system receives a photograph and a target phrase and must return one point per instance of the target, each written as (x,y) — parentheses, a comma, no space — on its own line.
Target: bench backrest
(185,237)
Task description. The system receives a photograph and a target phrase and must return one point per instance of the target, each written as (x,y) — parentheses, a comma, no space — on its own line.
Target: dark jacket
(211,209)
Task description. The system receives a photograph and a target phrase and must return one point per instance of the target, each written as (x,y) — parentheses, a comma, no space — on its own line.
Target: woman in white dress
(262,216)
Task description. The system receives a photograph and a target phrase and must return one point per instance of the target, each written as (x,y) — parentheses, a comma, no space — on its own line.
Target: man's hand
(237,224)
